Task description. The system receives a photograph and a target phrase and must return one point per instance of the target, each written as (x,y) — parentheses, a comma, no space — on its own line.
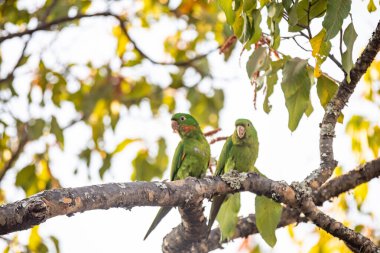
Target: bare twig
(11,73)
(212,132)
(218,139)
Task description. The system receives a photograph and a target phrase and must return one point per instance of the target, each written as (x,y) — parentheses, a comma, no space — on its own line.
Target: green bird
(239,153)
(191,157)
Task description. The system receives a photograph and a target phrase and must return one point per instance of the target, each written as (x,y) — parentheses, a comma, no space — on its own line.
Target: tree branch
(247,226)
(11,73)
(334,108)
(15,155)
(47,26)
(36,209)
(331,189)
(337,229)
(348,181)
(191,234)
(144,55)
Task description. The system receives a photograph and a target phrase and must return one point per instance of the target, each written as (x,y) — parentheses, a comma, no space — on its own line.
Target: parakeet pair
(239,153)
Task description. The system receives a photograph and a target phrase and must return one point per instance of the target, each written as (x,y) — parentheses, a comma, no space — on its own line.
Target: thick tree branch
(36,209)
(333,111)
(337,229)
(346,182)
(190,235)
(332,188)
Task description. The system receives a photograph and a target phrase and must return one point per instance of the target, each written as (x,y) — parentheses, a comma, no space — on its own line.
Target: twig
(11,73)
(218,139)
(141,52)
(48,25)
(212,132)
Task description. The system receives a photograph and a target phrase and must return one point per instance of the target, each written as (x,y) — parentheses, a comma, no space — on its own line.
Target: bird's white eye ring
(182,118)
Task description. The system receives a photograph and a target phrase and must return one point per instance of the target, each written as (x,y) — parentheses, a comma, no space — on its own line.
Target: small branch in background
(212,141)
(23,140)
(47,26)
(308,20)
(11,73)
(212,132)
(49,9)
(144,55)
(227,44)
(298,44)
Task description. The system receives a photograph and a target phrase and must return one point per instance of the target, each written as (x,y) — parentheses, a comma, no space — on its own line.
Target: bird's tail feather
(161,214)
(217,202)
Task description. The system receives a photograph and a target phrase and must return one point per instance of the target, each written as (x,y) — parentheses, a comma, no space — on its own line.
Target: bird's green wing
(178,157)
(223,157)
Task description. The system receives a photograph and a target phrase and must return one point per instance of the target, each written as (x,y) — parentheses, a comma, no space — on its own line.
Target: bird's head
(184,124)
(243,128)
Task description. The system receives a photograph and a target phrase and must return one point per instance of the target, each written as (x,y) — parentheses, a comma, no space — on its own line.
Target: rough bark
(36,209)
(190,235)
(348,181)
(334,108)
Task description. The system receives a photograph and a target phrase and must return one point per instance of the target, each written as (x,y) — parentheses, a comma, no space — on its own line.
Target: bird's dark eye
(248,124)
(182,118)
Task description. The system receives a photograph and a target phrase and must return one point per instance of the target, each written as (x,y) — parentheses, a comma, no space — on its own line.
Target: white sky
(283,155)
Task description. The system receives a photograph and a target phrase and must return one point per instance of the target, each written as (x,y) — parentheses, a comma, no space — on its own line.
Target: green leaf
(57,131)
(309,109)
(293,16)
(56,243)
(296,86)
(228,216)
(145,167)
(258,60)
(120,147)
(27,179)
(326,89)
(249,5)
(226,6)
(337,11)
(299,15)
(105,166)
(36,129)
(268,215)
(256,33)
(271,81)
(349,38)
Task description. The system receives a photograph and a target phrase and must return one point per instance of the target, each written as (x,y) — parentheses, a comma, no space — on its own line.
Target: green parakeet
(191,157)
(239,153)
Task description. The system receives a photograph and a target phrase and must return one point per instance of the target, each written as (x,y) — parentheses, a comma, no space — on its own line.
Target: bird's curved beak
(175,126)
(240,130)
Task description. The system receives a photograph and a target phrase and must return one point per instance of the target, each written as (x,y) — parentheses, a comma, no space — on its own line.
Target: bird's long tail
(217,202)
(161,214)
